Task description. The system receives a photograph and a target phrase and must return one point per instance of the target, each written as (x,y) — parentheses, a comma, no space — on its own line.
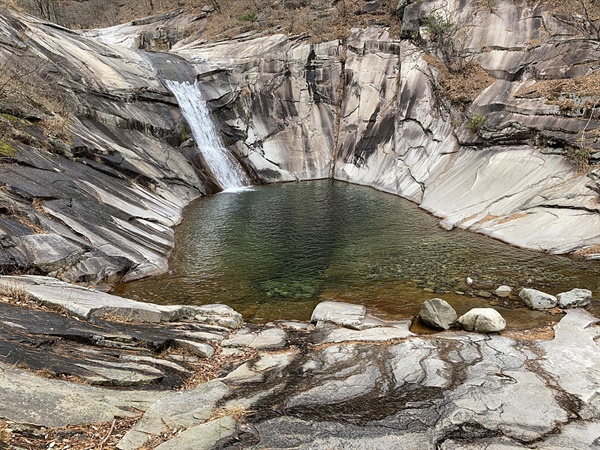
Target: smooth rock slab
(177,410)
(574,298)
(120,374)
(438,313)
(482,320)
(339,313)
(535,299)
(48,252)
(337,391)
(27,398)
(270,338)
(371,334)
(203,437)
(91,304)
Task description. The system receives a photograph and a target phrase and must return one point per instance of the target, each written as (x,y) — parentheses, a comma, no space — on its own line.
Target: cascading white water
(225,168)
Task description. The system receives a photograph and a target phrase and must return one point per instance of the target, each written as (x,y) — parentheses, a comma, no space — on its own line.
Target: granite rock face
(369,110)
(396,133)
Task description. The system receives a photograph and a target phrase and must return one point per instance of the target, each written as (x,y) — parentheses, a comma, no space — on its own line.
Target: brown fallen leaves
(99,436)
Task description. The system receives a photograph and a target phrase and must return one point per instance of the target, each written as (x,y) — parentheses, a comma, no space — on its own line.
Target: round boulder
(574,298)
(482,320)
(535,299)
(438,313)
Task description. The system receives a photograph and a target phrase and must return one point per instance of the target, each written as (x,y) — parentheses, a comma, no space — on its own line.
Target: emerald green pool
(273,252)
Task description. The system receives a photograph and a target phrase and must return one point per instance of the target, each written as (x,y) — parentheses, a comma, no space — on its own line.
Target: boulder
(503,291)
(438,313)
(535,299)
(482,320)
(574,298)
(339,313)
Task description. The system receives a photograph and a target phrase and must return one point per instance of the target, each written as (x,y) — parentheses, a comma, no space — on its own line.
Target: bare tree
(583,15)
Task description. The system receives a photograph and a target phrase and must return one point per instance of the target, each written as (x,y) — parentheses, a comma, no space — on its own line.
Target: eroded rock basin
(274,252)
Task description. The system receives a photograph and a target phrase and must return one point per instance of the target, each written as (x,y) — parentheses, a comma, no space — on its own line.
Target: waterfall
(226,169)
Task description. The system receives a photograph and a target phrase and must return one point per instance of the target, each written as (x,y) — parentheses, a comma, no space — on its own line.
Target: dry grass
(99,436)
(488,217)
(238,412)
(555,90)
(462,87)
(297,18)
(14,293)
(545,333)
(510,217)
(319,19)
(591,250)
(216,366)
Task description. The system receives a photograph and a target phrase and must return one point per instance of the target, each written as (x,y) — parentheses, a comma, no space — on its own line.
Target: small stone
(574,298)
(483,294)
(438,313)
(503,291)
(469,281)
(535,299)
(482,284)
(208,9)
(339,313)
(482,320)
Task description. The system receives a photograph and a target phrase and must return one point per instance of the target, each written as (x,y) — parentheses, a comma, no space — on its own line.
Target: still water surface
(274,252)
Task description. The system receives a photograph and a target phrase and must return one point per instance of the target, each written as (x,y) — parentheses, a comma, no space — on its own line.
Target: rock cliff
(484,115)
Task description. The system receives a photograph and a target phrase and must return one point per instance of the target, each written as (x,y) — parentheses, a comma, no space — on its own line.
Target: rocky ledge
(197,377)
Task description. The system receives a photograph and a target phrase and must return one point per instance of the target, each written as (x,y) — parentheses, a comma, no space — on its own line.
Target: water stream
(226,169)
(275,251)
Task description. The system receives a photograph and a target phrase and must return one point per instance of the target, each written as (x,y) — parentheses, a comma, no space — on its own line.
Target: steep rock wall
(276,100)
(396,128)
(102,203)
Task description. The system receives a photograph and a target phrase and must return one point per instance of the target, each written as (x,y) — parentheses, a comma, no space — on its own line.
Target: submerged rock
(482,320)
(574,298)
(438,313)
(503,291)
(535,299)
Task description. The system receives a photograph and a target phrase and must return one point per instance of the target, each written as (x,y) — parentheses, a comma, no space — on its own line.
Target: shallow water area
(273,252)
